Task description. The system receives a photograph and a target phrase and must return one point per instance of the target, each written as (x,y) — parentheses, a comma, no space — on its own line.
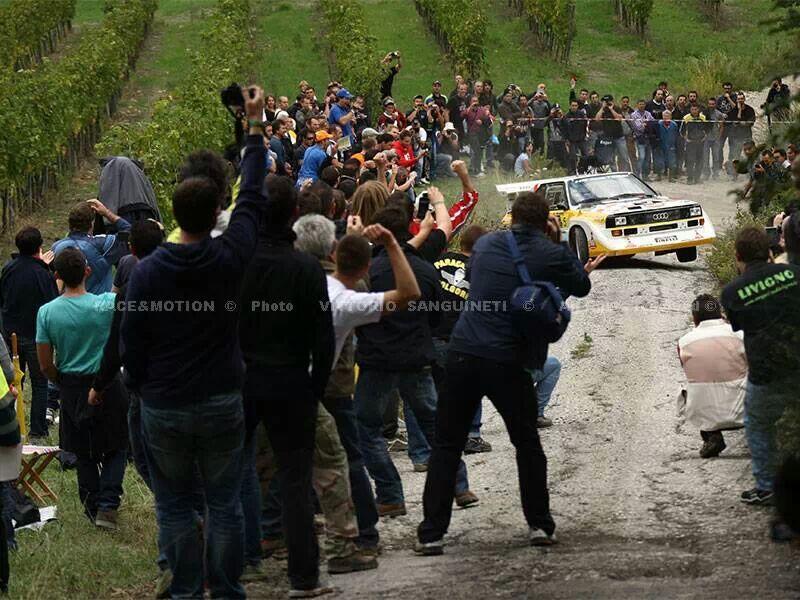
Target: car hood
(634,205)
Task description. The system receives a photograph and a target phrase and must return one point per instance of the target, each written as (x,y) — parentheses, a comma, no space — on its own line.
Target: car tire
(686,254)
(579,244)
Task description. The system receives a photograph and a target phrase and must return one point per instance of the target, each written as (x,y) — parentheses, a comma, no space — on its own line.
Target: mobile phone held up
(423,205)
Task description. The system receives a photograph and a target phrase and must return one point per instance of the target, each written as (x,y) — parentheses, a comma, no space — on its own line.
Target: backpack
(537,307)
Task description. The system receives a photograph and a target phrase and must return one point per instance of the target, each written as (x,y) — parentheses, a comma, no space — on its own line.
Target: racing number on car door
(556,196)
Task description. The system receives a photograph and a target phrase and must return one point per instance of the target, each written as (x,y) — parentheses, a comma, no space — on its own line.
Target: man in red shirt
(478,119)
(405,151)
(391,116)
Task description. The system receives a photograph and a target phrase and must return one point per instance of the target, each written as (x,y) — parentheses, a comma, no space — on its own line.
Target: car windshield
(612,187)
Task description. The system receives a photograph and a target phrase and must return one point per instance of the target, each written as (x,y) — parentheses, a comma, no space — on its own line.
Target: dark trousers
(574,149)
(344,413)
(288,409)
(28,358)
(557,151)
(137,438)
(694,160)
(4,568)
(100,481)
(537,137)
(510,389)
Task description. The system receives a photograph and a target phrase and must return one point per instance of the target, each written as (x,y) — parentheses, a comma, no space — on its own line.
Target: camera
(394,54)
(232,96)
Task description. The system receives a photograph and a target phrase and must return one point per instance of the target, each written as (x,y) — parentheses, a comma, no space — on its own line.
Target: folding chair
(34,461)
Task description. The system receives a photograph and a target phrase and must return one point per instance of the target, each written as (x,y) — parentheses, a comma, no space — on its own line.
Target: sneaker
(360,560)
(391,510)
(275,548)
(466,499)
(537,537)
(107,519)
(713,446)
(163,584)
(477,445)
(757,497)
(420,467)
(253,573)
(315,592)
(425,181)
(429,549)
(51,416)
(398,444)
(542,422)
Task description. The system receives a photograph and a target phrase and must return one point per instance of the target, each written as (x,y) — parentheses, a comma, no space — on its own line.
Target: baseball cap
(437,82)
(607,98)
(388,100)
(369,132)
(322,135)
(343,93)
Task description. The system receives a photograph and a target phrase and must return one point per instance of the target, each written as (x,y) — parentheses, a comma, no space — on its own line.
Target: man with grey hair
(346,265)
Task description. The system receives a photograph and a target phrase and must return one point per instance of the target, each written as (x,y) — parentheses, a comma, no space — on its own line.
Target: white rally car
(619,215)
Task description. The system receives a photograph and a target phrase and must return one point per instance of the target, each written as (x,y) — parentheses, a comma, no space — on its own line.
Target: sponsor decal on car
(666,238)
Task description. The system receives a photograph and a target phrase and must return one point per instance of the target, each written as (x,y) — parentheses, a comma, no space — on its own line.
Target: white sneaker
(537,537)
(51,416)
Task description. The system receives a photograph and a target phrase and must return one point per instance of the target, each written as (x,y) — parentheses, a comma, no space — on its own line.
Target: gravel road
(639,513)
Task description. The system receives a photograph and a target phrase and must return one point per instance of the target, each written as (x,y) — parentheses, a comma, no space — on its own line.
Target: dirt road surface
(639,513)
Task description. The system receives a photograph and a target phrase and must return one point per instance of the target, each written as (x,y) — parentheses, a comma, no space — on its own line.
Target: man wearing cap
(391,116)
(314,158)
(436,95)
(540,107)
(342,115)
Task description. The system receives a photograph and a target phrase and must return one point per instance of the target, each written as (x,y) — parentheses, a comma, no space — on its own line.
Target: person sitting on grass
(74,327)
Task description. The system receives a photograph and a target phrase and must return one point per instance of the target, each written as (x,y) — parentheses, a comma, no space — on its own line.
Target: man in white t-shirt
(347,264)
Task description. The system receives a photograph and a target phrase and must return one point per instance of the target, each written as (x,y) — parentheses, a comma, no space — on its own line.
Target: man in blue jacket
(101,251)
(488,356)
(181,350)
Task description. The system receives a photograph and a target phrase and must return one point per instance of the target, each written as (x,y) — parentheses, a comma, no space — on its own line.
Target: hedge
(552,22)
(51,116)
(460,28)
(29,29)
(192,117)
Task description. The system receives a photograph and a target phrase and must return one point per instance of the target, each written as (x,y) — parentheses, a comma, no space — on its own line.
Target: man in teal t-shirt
(71,332)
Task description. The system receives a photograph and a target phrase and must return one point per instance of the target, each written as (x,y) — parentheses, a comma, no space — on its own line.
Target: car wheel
(579,244)
(686,254)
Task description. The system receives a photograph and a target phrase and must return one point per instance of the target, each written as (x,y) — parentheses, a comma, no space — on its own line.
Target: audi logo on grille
(662,216)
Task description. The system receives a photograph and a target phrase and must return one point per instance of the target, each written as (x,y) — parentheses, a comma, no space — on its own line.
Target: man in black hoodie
(181,350)
(287,338)
(27,283)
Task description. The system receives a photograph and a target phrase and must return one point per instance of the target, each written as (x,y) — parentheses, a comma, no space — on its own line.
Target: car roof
(533,185)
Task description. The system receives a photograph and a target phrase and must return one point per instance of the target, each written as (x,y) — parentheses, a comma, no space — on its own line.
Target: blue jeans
(137,438)
(763,406)
(100,480)
(27,357)
(712,149)
(371,397)
(251,504)
(670,157)
(343,411)
(206,435)
(545,380)
(645,155)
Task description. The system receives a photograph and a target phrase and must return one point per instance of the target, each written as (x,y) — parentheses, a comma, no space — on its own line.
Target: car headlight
(696,211)
(619,221)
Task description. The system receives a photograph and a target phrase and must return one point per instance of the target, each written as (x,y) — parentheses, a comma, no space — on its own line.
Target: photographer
(556,140)
(391,70)
(391,116)
(524,122)
(362,118)
(507,150)
(448,152)
(342,114)
(611,133)
(575,128)
(540,107)
(476,118)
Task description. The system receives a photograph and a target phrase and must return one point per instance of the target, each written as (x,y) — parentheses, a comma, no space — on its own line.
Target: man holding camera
(342,114)
(476,117)
(611,133)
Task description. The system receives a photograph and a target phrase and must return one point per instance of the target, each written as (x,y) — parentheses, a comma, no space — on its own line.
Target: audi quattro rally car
(619,215)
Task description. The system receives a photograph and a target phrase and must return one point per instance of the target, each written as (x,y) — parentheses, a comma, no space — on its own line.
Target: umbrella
(23,422)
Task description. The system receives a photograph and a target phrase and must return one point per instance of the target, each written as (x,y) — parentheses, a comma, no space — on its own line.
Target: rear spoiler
(512,189)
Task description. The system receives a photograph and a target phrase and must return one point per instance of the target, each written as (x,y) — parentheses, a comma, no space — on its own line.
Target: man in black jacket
(27,283)
(396,354)
(287,339)
(576,129)
(488,356)
(181,351)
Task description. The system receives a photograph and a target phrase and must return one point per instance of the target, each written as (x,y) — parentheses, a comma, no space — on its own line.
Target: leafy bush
(634,14)
(722,258)
(460,28)
(51,116)
(192,117)
(706,74)
(29,29)
(552,22)
(352,50)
